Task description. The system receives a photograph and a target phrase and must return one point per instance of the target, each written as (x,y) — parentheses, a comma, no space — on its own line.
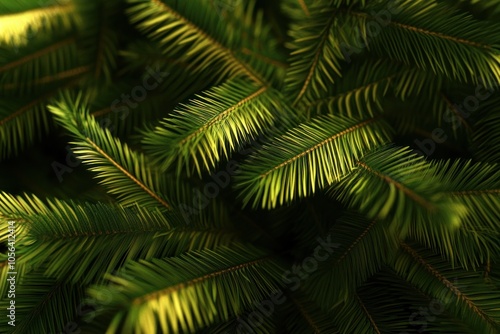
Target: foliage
(250,166)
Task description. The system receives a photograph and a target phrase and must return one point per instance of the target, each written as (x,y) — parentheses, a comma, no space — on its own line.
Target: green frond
(17,207)
(204,131)
(360,90)
(315,55)
(21,20)
(83,241)
(466,294)
(42,304)
(397,193)
(364,247)
(21,124)
(250,166)
(175,87)
(304,316)
(486,137)
(181,29)
(428,35)
(31,67)
(254,43)
(476,186)
(188,292)
(353,317)
(100,39)
(398,307)
(127,174)
(101,237)
(13,243)
(307,158)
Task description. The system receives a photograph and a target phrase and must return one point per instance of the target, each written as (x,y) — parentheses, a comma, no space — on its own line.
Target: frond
(99,35)
(466,294)
(199,134)
(476,186)
(34,66)
(315,54)
(486,137)
(21,123)
(188,292)
(304,316)
(358,92)
(307,158)
(125,173)
(82,241)
(42,304)
(396,306)
(428,35)
(397,192)
(182,31)
(23,21)
(364,248)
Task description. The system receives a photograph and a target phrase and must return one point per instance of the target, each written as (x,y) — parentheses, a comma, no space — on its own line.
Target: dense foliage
(241,166)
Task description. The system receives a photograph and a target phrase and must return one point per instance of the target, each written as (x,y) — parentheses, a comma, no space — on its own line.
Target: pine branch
(186,27)
(417,32)
(399,194)
(202,132)
(314,59)
(275,174)
(185,286)
(365,247)
(42,304)
(474,301)
(128,174)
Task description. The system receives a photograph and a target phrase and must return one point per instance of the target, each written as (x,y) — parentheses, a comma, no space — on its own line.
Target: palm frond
(82,241)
